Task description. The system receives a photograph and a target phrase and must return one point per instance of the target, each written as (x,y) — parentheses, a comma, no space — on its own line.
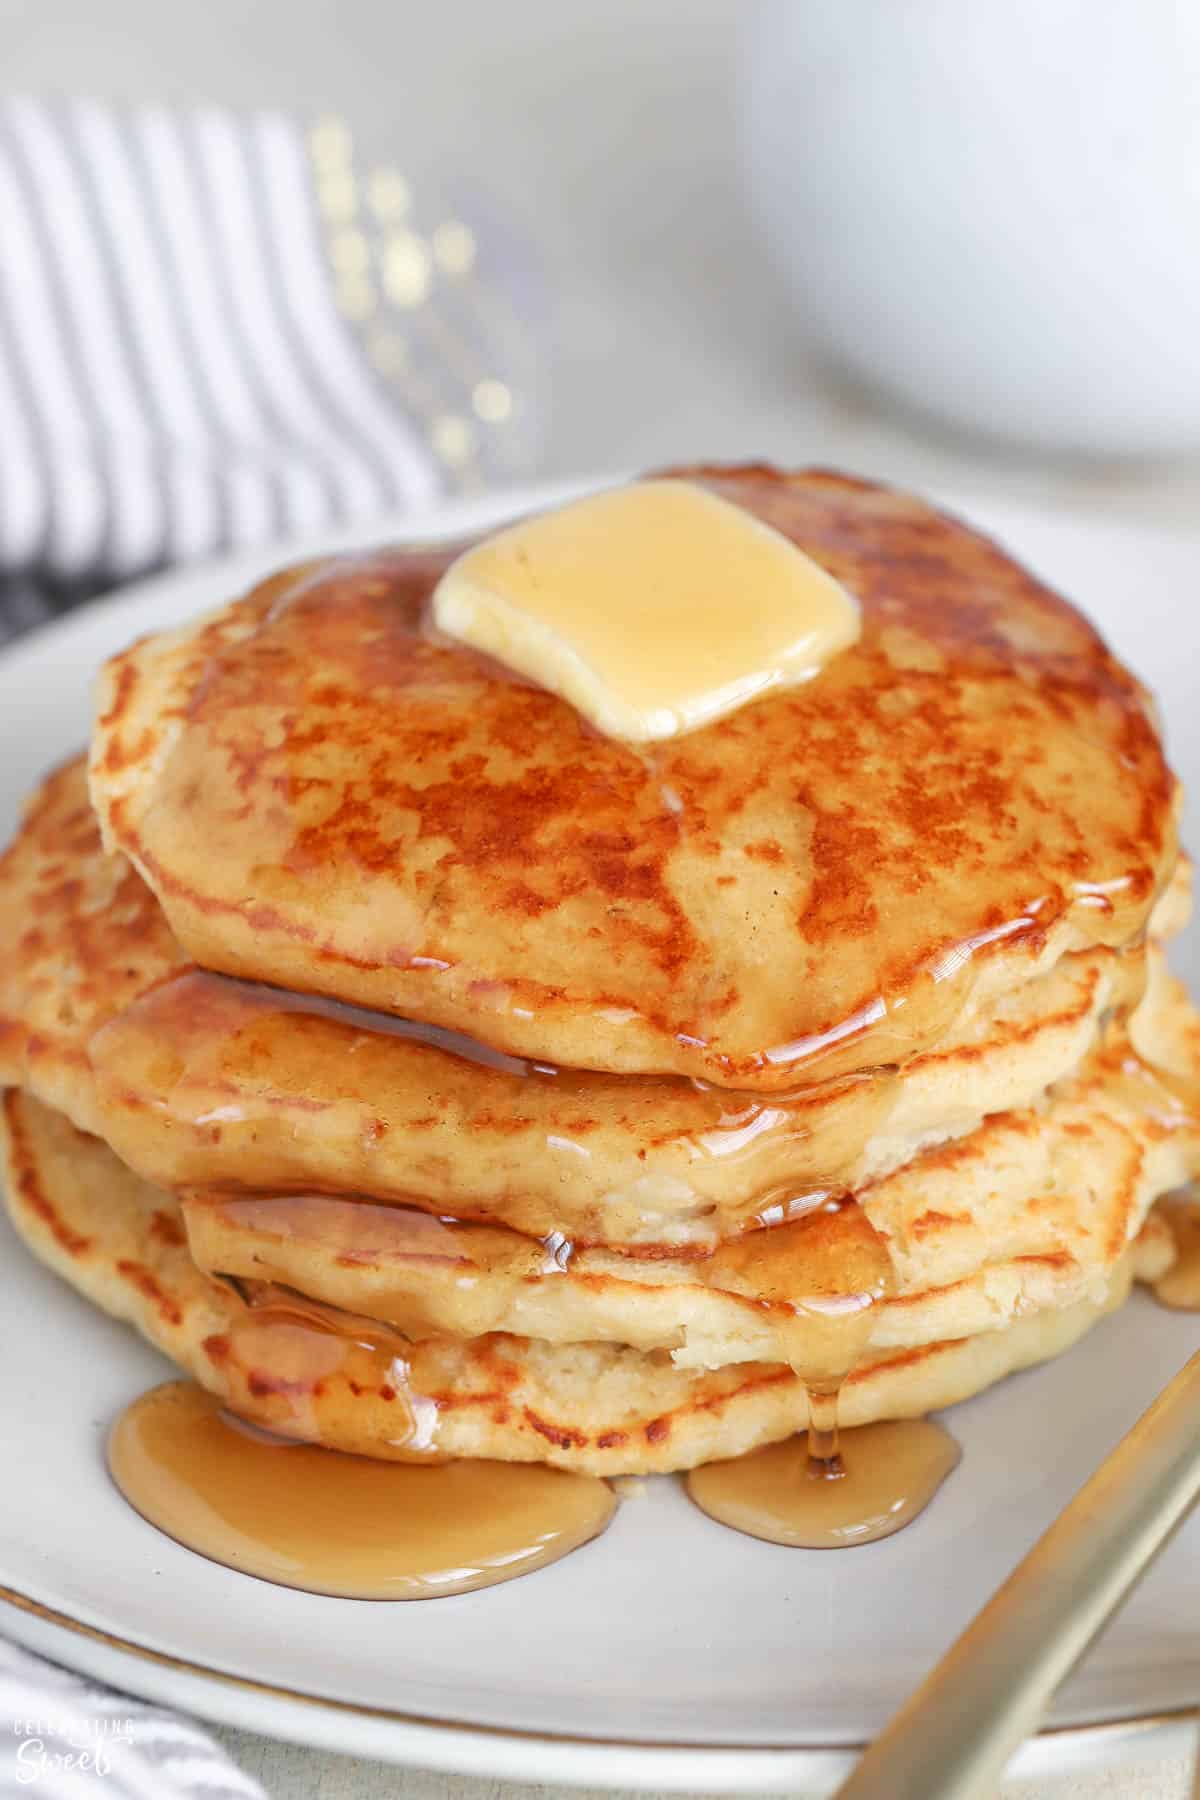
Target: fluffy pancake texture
(1033,1211)
(326,797)
(201,1080)
(428,1074)
(597,1407)
(1006,1170)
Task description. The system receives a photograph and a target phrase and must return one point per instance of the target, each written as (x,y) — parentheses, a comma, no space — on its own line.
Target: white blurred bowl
(990,211)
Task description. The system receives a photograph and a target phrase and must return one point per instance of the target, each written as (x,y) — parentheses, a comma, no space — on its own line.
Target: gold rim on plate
(1114,1730)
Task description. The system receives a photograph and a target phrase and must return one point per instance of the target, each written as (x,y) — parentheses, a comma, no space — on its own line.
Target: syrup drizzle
(819,1277)
(203,1074)
(207,1071)
(352,1526)
(885,1475)
(819,1274)
(426,1276)
(192,1470)
(355,629)
(825,1489)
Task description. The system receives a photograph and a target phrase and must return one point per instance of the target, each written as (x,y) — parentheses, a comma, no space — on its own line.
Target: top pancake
(325,797)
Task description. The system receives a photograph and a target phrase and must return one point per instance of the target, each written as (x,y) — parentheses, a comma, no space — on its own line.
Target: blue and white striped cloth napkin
(219,331)
(65,1738)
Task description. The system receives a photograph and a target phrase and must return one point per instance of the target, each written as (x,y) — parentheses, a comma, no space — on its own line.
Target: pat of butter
(653,608)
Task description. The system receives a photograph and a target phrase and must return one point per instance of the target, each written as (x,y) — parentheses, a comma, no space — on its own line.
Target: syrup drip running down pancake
(462,1082)
(887,1474)
(202,1081)
(203,1085)
(327,798)
(299,1369)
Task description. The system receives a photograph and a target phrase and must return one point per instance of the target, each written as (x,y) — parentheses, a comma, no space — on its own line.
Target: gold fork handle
(989,1692)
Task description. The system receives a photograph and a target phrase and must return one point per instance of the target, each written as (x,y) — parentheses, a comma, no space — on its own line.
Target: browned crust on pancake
(199,1080)
(592,1407)
(81,936)
(396,822)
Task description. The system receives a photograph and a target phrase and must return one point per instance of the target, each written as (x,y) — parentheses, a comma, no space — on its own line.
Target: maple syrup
(819,1276)
(882,1478)
(824,1273)
(351,1526)
(230,1062)
(823,1489)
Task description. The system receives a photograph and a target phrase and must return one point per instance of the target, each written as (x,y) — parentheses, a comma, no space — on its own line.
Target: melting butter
(652,609)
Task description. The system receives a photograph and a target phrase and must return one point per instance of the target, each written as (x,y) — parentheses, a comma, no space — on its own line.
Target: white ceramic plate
(671,1653)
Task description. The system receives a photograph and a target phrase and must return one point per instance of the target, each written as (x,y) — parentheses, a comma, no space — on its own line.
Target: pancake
(595,1407)
(979,1229)
(200,1080)
(327,798)
(1034,1210)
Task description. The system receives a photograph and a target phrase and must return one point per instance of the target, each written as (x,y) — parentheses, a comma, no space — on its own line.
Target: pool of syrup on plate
(420,1525)
(277,1505)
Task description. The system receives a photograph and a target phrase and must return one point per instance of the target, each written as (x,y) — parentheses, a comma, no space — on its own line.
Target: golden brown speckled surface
(598,1407)
(324,797)
(201,1080)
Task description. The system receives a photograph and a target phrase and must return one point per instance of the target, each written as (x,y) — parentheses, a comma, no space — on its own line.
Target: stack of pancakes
(426,1072)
